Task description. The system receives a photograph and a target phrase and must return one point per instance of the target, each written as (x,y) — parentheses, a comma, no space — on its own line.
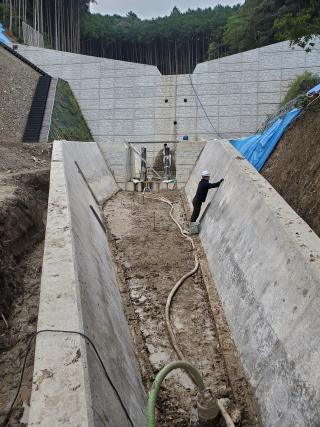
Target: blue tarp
(257,148)
(314,90)
(3,37)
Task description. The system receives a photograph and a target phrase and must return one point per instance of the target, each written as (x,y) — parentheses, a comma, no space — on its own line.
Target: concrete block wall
(186,158)
(117,157)
(116,98)
(246,87)
(123,101)
(154,155)
(265,261)
(79,293)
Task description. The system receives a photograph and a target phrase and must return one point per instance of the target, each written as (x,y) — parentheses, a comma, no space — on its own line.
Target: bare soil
(23,204)
(17,85)
(293,169)
(151,255)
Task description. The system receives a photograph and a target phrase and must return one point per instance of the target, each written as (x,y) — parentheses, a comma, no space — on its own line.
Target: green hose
(153,395)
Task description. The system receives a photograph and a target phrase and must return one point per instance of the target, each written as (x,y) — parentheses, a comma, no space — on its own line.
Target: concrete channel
(263,259)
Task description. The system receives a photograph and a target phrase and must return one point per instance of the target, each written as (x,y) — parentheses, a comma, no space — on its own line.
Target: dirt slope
(17,85)
(293,169)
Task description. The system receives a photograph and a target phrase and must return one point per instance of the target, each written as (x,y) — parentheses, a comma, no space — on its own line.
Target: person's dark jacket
(203,188)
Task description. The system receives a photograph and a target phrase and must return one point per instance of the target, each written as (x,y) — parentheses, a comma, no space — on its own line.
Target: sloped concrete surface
(94,168)
(79,292)
(265,261)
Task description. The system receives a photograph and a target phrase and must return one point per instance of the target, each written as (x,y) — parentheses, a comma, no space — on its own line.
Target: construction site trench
(23,208)
(151,255)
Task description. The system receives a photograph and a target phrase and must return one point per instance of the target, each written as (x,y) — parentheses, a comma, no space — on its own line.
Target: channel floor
(151,255)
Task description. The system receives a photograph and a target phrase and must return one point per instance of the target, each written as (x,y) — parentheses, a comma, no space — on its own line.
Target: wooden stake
(4,319)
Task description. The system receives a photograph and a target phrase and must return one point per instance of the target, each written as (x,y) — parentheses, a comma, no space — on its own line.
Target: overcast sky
(146,9)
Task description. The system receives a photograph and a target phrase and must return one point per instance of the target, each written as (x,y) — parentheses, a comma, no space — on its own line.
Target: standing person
(201,194)
(166,160)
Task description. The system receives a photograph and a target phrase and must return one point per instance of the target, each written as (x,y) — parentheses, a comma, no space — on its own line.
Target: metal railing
(32,37)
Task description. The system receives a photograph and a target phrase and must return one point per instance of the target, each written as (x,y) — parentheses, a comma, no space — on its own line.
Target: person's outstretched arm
(215,184)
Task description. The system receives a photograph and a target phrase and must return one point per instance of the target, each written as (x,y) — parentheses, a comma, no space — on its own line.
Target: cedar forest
(174,43)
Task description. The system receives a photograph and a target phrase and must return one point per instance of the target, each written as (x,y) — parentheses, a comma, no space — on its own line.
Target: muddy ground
(23,205)
(151,255)
(293,169)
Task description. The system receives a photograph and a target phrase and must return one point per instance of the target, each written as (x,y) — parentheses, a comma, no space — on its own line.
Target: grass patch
(67,121)
(301,85)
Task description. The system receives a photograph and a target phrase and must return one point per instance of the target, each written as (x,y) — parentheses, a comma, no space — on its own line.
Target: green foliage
(261,22)
(252,25)
(212,50)
(300,24)
(175,43)
(67,120)
(47,42)
(300,86)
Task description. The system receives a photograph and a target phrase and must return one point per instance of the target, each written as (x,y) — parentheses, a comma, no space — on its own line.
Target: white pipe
(173,340)
(180,281)
(225,414)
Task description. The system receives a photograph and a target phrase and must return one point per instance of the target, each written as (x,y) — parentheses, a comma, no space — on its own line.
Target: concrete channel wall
(265,261)
(124,101)
(79,293)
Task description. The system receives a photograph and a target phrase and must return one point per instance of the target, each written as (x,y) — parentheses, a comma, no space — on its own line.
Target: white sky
(147,9)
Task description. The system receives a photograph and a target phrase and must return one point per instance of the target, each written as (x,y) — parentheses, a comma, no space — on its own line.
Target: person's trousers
(196,209)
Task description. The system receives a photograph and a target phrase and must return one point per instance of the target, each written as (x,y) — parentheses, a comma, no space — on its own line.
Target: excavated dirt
(151,255)
(24,181)
(293,169)
(23,204)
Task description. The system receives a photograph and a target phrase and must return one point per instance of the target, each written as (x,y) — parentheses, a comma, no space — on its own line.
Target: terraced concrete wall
(265,261)
(133,102)
(79,293)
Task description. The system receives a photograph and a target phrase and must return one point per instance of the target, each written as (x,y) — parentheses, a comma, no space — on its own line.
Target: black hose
(8,416)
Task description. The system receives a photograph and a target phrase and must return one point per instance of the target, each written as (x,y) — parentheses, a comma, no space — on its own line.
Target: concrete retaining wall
(123,101)
(265,261)
(79,292)
(186,157)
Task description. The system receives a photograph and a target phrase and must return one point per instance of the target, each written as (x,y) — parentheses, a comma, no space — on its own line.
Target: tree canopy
(300,24)
(261,22)
(175,43)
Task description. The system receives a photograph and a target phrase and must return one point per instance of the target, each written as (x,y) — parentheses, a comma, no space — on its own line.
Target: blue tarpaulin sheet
(314,90)
(257,148)
(3,37)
